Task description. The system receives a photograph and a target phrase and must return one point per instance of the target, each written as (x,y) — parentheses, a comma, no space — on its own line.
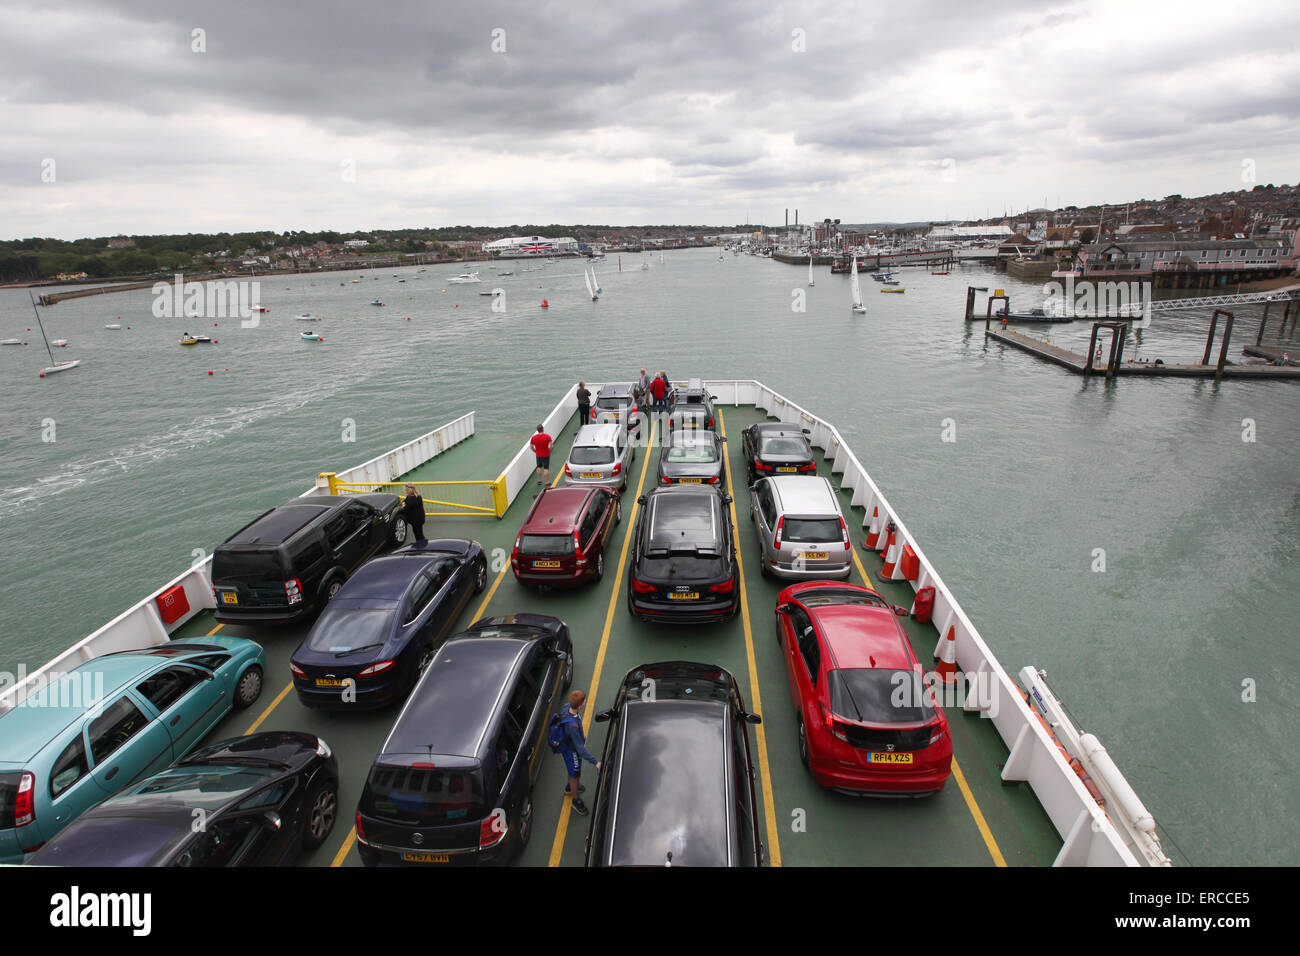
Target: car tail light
(377,668)
(670,421)
(577,550)
(665,480)
(25,800)
(811,466)
(618,468)
(491,832)
(844,530)
(293,590)
(709,423)
(713,480)
(640,587)
(567,471)
(514,555)
(297,671)
(780,523)
(361,832)
(726,587)
(762,466)
(936,732)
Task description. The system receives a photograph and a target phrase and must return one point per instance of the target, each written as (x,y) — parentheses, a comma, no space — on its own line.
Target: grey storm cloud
(560,104)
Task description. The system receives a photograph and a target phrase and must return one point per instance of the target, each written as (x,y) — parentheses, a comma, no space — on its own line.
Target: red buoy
(209,371)
(42,374)
(545,304)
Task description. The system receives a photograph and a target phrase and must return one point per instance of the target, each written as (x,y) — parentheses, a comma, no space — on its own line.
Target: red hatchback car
(562,542)
(867,722)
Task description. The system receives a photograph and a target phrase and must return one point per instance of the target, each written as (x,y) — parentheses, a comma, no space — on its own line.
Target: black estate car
(777,448)
(676,783)
(374,639)
(258,800)
(683,557)
(287,563)
(453,783)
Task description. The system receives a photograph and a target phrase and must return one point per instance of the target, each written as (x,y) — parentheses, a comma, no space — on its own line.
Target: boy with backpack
(568,740)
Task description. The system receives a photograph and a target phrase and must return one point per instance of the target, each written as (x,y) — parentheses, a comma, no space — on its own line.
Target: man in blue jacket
(574,750)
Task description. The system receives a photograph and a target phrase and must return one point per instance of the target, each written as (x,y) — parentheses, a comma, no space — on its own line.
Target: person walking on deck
(570,742)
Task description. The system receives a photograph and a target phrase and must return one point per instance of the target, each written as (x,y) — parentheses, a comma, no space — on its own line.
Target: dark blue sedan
(379,632)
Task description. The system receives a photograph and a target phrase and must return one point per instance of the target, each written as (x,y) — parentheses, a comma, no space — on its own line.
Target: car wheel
(568,672)
(525,821)
(803,743)
(480,577)
(322,812)
(600,565)
(333,588)
(399,532)
(426,656)
(249,687)
(618,511)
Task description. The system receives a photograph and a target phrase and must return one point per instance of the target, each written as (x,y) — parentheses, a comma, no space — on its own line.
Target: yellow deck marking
(345,849)
(267,713)
(967,794)
(562,828)
(214,630)
(756,702)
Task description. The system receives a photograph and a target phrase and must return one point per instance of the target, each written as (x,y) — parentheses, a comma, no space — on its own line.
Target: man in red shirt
(658,389)
(541,443)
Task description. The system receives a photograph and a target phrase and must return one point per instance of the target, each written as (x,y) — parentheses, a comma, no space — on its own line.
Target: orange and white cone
(873,530)
(947,667)
(891,558)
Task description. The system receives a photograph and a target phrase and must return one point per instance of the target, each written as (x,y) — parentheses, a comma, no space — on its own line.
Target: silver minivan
(801,529)
(601,455)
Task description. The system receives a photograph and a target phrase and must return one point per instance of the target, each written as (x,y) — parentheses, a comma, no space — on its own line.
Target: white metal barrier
(405,458)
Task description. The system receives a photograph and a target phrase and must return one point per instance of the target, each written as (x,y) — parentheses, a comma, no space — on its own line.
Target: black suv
(691,406)
(287,563)
(702,812)
(453,783)
(683,557)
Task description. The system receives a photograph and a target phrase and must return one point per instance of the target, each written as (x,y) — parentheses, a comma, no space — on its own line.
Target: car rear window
(612,401)
(680,568)
(556,545)
(811,530)
(591,455)
(693,453)
(840,596)
(340,629)
(420,796)
(879,696)
(252,567)
(8,797)
(784,446)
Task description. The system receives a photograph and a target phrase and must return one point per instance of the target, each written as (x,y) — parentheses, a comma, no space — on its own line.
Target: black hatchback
(676,783)
(453,783)
(773,448)
(291,560)
(683,557)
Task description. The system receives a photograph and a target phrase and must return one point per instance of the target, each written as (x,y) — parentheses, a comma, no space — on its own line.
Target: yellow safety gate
(441,498)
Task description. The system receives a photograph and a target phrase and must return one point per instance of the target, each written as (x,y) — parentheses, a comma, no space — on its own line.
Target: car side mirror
(272,819)
(641,500)
(726,499)
(753,719)
(807,431)
(722,438)
(900,610)
(603,716)
(713,398)
(782,608)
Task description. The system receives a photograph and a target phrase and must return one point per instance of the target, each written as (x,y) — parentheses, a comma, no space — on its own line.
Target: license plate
(814,555)
(327,682)
(889,758)
(546,564)
(691,481)
(684,596)
(426,858)
(229,597)
(787,468)
(592,474)
(615,415)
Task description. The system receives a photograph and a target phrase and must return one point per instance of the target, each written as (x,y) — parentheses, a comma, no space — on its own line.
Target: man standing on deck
(584,405)
(643,383)
(658,389)
(574,748)
(541,443)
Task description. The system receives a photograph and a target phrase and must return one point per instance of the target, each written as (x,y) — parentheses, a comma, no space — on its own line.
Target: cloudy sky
(153,116)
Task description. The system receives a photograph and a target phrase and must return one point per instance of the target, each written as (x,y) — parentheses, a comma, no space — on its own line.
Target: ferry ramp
(977,820)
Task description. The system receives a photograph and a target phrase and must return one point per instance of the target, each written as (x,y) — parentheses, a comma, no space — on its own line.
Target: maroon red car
(867,723)
(562,542)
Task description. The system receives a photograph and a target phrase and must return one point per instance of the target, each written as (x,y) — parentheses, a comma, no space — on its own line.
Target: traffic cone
(947,668)
(891,557)
(873,529)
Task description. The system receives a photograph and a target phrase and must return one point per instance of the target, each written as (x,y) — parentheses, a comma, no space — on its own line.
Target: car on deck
(563,539)
(619,403)
(378,633)
(286,564)
(801,528)
(777,448)
(262,800)
(683,563)
(453,782)
(693,457)
(866,721)
(600,455)
(110,722)
(676,785)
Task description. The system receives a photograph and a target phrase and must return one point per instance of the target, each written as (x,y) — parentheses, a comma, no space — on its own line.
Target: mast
(42,327)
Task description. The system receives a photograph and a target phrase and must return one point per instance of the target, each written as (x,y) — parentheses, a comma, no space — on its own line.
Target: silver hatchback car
(801,530)
(601,455)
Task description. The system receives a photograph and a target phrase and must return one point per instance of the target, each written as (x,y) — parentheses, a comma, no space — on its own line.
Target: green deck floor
(808,825)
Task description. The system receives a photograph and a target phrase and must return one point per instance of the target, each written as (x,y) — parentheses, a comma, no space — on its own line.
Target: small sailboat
(308,317)
(12,342)
(466,277)
(311,336)
(857,289)
(591,291)
(811,281)
(893,290)
(189,339)
(53,366)
(594,281)
(376,302)
(113,325)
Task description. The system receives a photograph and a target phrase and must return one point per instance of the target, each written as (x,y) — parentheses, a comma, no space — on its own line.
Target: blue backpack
(559,735)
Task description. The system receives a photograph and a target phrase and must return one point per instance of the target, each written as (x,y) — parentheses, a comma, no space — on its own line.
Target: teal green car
(100,727)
